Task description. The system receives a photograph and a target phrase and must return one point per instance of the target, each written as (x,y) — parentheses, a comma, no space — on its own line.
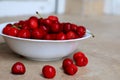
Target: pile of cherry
(49,28)
(69,66)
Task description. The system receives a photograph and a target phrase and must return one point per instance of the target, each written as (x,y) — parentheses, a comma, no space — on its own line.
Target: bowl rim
(87,35)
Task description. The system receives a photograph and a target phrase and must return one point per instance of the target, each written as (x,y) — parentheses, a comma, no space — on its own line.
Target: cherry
(82,61)
(13,31)
(40,21)
(33,22)
(71,69)
(21,22)
(53,36)
(61,36)
(48,71)
(74,27)
(50,37)
(53,18)
(71,35)
(7,28)
(18,68)
(55,28)
(47,22)
(78,54)
(66,62)
(25,26)
(38,33)
(81,30)
(24,33)
(44,28)
(67,27)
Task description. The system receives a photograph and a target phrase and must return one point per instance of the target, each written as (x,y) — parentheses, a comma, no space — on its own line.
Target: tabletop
(103,52)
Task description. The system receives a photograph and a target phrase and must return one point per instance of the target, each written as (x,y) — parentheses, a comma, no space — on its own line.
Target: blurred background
(59,7)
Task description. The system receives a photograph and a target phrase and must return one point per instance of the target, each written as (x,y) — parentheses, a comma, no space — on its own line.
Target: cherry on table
(18,68)
(66,62)
(48,71)
(71,69)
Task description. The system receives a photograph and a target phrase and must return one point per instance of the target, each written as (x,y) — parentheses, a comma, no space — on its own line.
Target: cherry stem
(16,27)
(91,34)
(38,14)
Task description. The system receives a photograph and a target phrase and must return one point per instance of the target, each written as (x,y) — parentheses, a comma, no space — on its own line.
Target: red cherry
(78,55)
(50,37)
(24,33)
(82,61)
(25,25)
(44,28)
(66,62)
(47,22)
(37,33)
(61,36)
(53,18)
(40,21)
(71,35)
(21,22)
(71,69)
(33,22)
(18,68)
(74,27)
(48,71)
(55,28)
(67,27)
(81,30)
(13,31)
(7,28)
(53,36)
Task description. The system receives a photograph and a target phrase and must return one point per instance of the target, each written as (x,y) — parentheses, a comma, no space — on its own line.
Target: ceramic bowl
(42,50)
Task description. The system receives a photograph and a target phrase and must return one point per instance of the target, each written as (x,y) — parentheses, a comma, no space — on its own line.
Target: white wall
(112,7)
(14,7)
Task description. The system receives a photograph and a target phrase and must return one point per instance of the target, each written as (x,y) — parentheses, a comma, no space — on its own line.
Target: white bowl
(42,50)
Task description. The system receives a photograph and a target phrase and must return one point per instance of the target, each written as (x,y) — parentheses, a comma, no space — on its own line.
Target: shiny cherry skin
(53,18)
(24,33)
(74,27)
(38,33)
(71,35)
(83,61)
(81,30)
(78,54)
(33,22)
(67,27)
(7,28)
(47,22)
(71,69)
(44,28)
(61,36)
(55,28)
(18,68)
(13,31)
(66,62)
(48,71)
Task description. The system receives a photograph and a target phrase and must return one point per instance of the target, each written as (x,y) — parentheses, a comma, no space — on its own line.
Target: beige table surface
(103,52)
